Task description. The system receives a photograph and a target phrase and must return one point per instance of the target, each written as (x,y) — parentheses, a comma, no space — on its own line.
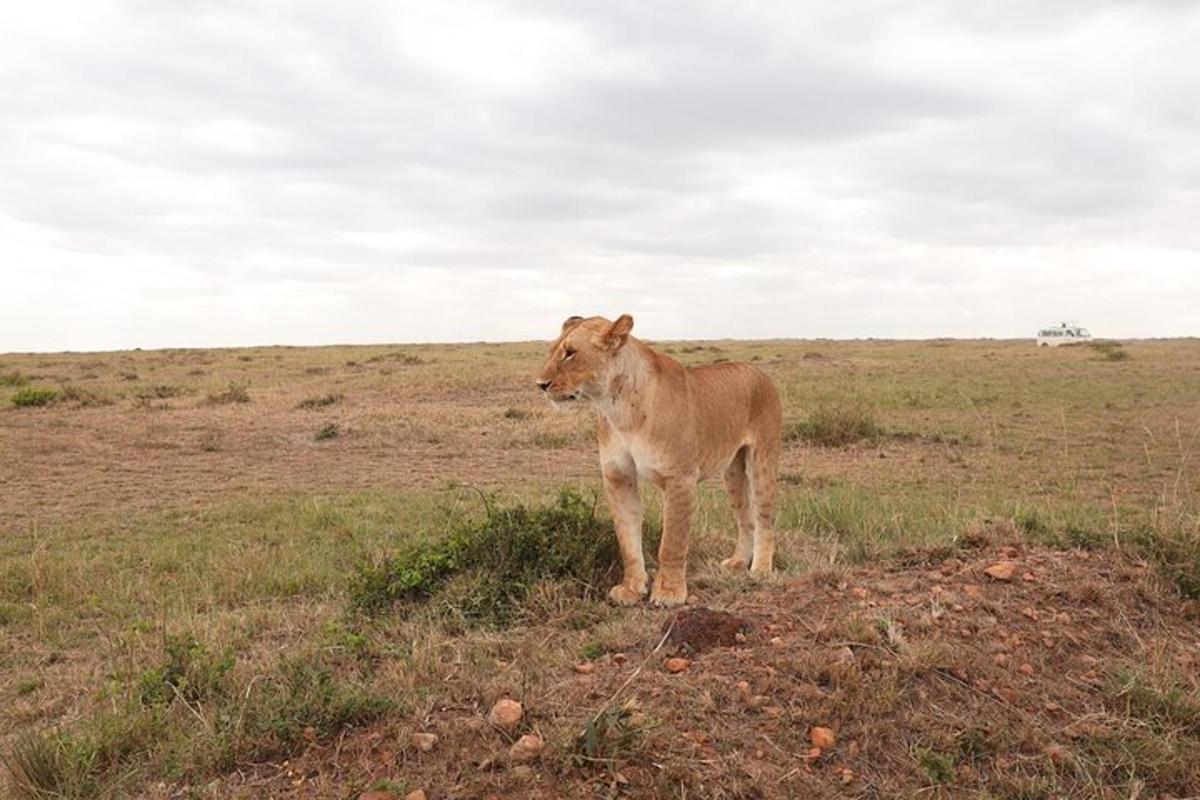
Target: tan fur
(672,425)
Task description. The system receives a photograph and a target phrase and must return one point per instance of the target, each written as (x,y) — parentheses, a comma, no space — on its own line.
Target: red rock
(676,665)
(506,714)
(527,748)
(1001,570)
(1025,669)
(585,668)
(823,738)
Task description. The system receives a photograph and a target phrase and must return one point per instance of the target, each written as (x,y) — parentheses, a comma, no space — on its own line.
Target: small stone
(675,665)
(973,591)
(847,776)
(1052,706)
(424,741)
(506,714)
(1028,577)
(739,637)
(1002,570)
(1000,659)
(776,641)
(527,748)
(859,593)
(1030,612)
(586,668)
(742,687)
(823,738)
(1025,669)
(843,655)
(416,794)
(522,772)
(813,753)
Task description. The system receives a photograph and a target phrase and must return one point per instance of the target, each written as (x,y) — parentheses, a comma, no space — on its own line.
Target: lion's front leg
(621,490)
(670,584)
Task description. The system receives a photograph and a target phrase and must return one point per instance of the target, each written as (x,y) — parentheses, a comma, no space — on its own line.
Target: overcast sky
(210,173)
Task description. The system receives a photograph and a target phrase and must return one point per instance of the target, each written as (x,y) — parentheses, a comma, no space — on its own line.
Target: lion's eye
(568,354)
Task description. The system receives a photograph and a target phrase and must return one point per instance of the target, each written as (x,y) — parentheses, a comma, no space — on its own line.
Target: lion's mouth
(565,398)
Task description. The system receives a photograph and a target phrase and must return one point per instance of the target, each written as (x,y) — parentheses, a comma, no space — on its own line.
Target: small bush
(1110,351)
(517,414)
(330,430)
(84,397)
(483,571)
(160,392)
(835,426)
(13,379)
(188,671)
(405,359)
(32,396)
(234,394)
(609,735)
(306,694)
(324,401)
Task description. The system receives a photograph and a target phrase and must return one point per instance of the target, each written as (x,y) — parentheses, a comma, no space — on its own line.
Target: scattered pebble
(1001,570)
(527,748)
(677,664)
(823,738)
(585,668)
(506,714)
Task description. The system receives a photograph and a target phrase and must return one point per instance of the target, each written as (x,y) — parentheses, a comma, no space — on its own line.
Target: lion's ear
(571,323)
(618,333)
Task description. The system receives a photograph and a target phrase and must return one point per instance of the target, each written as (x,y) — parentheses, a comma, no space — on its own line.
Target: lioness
(672,425)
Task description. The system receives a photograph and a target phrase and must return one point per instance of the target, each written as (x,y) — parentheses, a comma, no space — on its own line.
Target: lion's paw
(675,596)
(622,595)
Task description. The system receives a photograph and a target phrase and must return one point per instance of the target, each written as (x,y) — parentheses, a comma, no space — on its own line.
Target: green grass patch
(835,426)
(330,430)
(33,396)
(482,571)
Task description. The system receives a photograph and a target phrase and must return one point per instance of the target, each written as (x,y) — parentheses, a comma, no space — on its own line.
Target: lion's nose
(543,385)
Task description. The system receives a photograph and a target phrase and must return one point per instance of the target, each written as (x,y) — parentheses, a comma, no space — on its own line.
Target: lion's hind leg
(737,483)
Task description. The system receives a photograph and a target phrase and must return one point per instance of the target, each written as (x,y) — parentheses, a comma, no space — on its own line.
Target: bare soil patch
(1075,679)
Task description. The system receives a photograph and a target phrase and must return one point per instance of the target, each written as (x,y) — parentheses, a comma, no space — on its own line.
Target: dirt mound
(1073,674)
(698,630)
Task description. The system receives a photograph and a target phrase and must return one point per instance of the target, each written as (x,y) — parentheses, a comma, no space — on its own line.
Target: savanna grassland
(258,572)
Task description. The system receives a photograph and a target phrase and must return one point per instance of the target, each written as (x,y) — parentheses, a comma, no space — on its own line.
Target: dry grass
(154,514)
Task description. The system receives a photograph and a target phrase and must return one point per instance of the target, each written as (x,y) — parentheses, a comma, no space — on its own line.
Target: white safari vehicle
(1063,333)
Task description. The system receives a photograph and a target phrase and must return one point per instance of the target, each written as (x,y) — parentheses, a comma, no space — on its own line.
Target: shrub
(160,392)
(188,671)
(323,401)
(34,396)
(84,397)
(517,414)
(835,426)
(1110,351)
(483,571)
(330,430)
(13,379)
(306,694)
(234,394)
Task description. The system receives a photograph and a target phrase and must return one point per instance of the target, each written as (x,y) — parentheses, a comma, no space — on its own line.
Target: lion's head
(582,356)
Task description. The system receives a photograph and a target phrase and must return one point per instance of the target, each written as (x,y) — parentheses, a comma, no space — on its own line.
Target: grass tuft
(330,430)
(322,401)
(836,426)
(235,393)
(483,571)
(32,396)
